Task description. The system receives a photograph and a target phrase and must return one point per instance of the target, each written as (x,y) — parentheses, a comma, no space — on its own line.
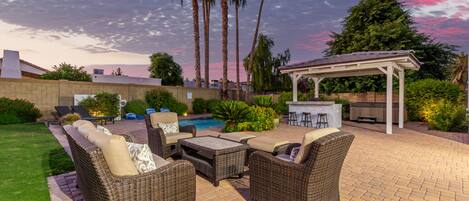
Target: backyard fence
(46,94)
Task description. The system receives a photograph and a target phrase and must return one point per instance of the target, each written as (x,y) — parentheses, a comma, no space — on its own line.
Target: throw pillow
(169,127)
(294,153)
(142,157)
(104,130)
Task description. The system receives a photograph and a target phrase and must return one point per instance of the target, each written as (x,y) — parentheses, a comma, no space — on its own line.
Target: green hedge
(159,98)
(102,104)
(13,111)
(420,92)
(199,106)
(212,105)
(136,107)
(445,115)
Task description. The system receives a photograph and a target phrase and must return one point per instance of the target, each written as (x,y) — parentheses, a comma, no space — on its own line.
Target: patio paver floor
(407,165)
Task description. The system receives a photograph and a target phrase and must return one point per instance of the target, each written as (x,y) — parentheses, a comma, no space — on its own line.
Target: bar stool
(306,119)
(322,121)
(292,119)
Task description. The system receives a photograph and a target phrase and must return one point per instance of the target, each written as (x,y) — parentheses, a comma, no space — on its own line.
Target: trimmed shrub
(161,98)
(444,115)
(259,119)
(199,106)
(136,107)
(420,92)
(232,113)
(70,118)
(212,105)
(263,101)
(14,111)
(102,104)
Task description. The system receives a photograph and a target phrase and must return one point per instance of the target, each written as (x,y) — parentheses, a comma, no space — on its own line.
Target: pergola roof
(354,62)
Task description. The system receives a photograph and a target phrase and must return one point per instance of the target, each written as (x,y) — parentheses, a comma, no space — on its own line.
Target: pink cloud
(216,71)
(450,30)
(423,2)
(314,42)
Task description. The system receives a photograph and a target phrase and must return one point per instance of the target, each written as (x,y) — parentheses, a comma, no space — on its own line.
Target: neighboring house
(99,77)
(11,66)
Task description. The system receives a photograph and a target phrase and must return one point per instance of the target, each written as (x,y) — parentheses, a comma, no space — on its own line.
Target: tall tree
(66,71)
(224,13)
(459,68)
(382,25)
(254,41)
(238,4)
(265,73)
(206,7)
(164,67)
(195,18)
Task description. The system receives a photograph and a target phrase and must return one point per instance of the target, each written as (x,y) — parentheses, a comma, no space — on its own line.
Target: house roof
(353,57)
(30,64)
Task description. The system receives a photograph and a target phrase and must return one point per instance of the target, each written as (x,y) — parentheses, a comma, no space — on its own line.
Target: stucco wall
(49,93)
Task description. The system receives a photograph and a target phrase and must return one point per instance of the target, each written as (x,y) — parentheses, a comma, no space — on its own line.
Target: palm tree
(224,13)
(238,3)
(459,75)
(195,18)
(253,47)
(206,7)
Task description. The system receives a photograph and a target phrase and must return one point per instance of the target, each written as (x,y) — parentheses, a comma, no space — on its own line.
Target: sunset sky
(123,33)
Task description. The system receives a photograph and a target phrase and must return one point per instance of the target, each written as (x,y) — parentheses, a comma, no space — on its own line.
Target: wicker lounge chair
(86,116)
(60,111)
(173,181)
(166,145)
(317,178)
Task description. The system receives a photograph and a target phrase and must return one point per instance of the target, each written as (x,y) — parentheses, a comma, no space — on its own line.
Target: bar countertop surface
(310,103)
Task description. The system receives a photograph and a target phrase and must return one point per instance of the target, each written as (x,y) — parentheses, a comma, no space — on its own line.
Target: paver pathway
(407,165)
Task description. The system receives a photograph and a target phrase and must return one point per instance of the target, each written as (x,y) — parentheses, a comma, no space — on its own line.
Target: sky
(124,33)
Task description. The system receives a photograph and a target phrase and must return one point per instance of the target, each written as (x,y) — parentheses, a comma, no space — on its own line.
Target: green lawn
(28,155)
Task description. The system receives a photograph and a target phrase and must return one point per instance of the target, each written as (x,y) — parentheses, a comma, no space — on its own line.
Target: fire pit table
(214,157)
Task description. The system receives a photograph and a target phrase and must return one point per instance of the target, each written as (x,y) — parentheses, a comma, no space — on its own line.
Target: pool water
(202,124)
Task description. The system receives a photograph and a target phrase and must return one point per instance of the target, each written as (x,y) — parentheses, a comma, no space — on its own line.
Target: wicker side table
(214,157)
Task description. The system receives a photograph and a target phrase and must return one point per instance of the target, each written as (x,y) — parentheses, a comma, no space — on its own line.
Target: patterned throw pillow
(294,153)
(142,157)
(104,130)
(169,127)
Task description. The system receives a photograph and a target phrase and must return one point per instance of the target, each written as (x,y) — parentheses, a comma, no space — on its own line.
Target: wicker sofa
(161,144)
(316,179)
(172,181)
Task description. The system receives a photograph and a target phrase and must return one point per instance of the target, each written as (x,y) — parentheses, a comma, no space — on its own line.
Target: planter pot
(276,122)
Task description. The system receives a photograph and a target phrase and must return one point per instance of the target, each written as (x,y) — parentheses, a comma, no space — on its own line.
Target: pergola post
(295,78)
(389,75)
(401,98)
(317,80)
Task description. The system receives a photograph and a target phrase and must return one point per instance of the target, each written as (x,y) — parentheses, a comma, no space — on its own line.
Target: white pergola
(390,63)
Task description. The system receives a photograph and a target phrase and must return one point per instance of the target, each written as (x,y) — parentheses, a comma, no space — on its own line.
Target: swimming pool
(202,124)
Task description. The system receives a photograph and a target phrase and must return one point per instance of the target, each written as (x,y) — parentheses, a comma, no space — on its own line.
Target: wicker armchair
(174,181)
(315,179)
(166,145)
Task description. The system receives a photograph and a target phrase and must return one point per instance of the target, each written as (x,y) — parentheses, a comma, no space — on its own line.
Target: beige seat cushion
(117,156)
(163,117)
(308,139)
(267,144)
(79,123)
(98,137)
(160,162)
(172,138)
(85,130)
(238,137)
